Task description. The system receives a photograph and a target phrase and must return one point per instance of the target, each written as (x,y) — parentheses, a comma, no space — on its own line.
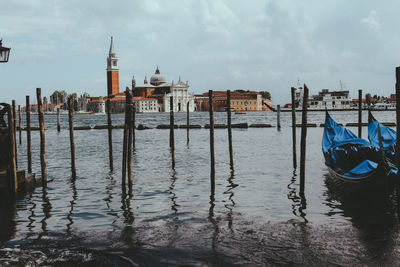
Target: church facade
(162,91)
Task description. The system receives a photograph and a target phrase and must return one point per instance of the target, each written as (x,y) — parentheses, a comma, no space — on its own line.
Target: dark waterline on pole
(171,131)
(109,127)
(228,110)
(71,134)
(42,138)
(303,139)
(293,92)
(28,133)
(212,157)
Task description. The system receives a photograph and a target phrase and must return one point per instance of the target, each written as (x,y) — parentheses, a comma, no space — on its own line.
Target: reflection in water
(32,214)
(372,214)
(173,196)
(299,201)
(212,220)
(230,206)
(110,195)
(126,205)
(72,203)
(46,207)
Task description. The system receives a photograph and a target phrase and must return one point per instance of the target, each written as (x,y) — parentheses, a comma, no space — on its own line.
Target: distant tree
(58,97)
(368,99)
(266,94)
(375,96)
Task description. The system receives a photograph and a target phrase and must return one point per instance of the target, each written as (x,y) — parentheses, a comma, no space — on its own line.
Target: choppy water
(255,216)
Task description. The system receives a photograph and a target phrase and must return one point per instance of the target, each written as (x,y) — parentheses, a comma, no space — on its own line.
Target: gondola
(352,160)
(388,137)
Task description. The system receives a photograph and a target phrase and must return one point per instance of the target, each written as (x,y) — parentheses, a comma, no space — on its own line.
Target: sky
(218,45)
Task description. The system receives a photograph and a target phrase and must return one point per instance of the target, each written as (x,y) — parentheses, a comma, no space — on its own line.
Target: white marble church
(162,91)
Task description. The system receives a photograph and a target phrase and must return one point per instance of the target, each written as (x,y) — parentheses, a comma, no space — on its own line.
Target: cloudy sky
(215,44)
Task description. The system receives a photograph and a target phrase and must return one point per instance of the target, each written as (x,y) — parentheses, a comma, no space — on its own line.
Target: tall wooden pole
(398,117)
(171,125)
(187,122)
(228,110)
(58,120)
(212,157)
(303,139)
(13,165)
(71,134)
(109,124)
(28,133)
(133,124)
(278,117)
(293,91)
(19,124)
(359,113)
(397,149)
(15,131)
(130,136)
(125,141)
(42,138)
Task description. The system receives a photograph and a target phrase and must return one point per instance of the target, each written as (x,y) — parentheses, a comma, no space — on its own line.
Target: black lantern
(4,53)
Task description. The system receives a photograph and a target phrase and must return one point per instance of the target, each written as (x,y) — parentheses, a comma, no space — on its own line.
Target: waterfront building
(145,104)
(330,100)
(161,90)
(240,101)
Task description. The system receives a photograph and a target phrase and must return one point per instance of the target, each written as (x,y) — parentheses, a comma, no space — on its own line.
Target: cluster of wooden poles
(129,134)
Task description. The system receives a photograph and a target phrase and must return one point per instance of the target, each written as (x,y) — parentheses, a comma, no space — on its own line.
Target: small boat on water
(352,160)
(388,136)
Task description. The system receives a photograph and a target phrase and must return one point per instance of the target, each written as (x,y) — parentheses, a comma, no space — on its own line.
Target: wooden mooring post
(130,136)
(359,113)
(28,134)
(71,134)
(187,122)
(171,131)
(58,120)
(397,149)
(19,124)
(13,166)
(133,123)
(303,139)
(212,157)
(15,131)
(293,93)
(42,137)
(278,116)
(109,127)
(228,110)
(125,141)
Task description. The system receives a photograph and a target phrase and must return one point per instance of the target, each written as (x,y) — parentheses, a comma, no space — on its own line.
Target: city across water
(255,217)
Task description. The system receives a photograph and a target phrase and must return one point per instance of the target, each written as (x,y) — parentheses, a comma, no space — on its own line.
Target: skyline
(219,45)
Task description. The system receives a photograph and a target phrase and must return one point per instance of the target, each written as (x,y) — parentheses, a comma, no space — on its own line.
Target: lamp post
(4,52)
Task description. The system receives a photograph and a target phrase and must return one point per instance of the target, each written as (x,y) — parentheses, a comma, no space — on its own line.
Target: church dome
(157,78)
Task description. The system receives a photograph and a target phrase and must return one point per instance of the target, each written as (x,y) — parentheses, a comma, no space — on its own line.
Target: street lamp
(4,52)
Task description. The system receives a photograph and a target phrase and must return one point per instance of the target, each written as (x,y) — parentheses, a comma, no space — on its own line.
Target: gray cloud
(257,45)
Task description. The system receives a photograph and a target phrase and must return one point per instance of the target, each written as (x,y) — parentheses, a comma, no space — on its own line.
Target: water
(255,216)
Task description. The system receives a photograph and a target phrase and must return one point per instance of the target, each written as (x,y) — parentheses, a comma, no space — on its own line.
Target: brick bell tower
(112,72)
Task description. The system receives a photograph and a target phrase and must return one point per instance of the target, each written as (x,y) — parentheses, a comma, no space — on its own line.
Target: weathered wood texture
(171,123)
(303,139)
(28,133)
(229,115)
(42,138)
(71,135)
(212,156)
(293,93)
(12,165)
(109,127)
